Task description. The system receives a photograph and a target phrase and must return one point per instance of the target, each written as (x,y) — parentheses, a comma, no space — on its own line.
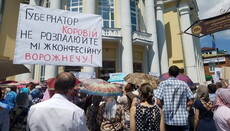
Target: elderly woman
(203,115)
(146,116)
(222,110)
(111,115)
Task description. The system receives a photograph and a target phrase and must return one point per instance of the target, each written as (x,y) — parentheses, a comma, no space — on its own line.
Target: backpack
(18,119)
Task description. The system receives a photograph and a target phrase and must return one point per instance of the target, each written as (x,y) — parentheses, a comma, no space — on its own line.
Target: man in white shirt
(58,113)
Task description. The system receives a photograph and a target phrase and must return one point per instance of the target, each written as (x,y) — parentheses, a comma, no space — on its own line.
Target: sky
(211,8)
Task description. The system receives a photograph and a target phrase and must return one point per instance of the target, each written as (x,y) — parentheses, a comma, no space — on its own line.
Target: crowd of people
(171,107)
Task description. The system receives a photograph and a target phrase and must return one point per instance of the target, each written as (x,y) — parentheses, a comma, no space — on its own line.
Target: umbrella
(141,78)
(7,68)
(102,89)
(51,82)
(117,78)
(9,83)
(25,82)
(87,82)
(181,77)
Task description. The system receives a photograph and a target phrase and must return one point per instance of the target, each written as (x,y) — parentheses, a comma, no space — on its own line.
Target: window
(137,67)
(106,10)
(107,67)
(48,3)
(2,3)
(134,15)
(72,68)
(211,66)
(74,5)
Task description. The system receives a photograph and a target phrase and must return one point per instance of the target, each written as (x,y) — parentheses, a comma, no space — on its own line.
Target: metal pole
(214,46)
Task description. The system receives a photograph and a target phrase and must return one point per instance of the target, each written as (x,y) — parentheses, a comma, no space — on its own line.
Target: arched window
(106,9)
(74,5)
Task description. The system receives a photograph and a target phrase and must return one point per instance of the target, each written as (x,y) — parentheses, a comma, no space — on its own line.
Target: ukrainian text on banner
(57,37)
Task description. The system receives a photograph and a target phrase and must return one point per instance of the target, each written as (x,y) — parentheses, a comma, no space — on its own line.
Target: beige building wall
(173,39)
(8,28)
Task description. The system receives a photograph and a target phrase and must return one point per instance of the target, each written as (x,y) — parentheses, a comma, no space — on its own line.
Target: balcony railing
(111,33)
(142,38)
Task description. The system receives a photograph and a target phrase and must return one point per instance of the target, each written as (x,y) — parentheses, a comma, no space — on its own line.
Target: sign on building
(211,25)
(216,59)
(84,75)
(58,37)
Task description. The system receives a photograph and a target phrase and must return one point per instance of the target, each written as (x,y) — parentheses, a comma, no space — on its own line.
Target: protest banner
(84,75)
(218,73)
(48,36)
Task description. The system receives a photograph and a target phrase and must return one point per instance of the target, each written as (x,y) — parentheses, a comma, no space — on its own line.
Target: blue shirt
(175,94)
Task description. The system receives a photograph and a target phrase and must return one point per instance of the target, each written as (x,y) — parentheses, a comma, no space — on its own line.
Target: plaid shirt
(174,94)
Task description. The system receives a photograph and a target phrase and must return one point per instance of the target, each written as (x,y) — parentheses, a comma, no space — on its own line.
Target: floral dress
(147,118)
(114,124)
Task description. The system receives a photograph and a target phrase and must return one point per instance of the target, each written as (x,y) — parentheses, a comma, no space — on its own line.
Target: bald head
(64,82)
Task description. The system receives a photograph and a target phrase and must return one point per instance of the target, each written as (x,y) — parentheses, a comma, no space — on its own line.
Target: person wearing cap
(58,113)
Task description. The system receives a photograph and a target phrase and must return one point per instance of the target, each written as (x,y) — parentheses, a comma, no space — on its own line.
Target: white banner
(84,75)
(58,37)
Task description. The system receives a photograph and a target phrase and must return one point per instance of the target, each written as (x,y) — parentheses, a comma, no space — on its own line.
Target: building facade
(213,57)
(137,36)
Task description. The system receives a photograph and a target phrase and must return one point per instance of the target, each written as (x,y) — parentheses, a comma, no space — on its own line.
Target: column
(56,4)
(151,28)
(89,8)
(196,58)
(188,44)
(120,56)
(202,74)
(51,71)
(126,33)
(34,2)
(162,45)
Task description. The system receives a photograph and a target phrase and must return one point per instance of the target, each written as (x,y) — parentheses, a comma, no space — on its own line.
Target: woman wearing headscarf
(92,111)
(203,120)
(222,110)
(111,115)
(146,116)
(18,116)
